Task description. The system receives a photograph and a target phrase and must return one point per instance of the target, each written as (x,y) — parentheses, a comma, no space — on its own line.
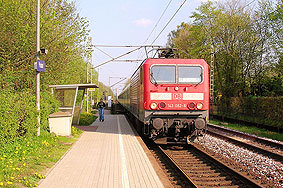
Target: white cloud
(143,22)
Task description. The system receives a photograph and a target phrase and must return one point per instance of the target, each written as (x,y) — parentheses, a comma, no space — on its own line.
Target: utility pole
(91,71)
(212,75)
(37,72)
(87,88)
(91,67)
(211,80)
(97,85)
(87,70)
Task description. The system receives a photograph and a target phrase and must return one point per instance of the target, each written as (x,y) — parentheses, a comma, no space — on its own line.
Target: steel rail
(190,181)
(252,147)
(246,180)
(252,137)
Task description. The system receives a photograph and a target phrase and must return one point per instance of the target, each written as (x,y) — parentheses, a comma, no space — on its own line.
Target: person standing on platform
(101,105)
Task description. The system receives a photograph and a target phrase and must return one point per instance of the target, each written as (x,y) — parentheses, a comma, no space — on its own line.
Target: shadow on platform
(87,128)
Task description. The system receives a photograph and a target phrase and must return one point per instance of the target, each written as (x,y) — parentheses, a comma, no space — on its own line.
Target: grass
(251,129)
(24,161)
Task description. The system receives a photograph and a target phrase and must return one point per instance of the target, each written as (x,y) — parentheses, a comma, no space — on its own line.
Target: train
(168,98)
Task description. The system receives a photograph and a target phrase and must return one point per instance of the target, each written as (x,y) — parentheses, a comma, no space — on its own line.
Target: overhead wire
(158,21)
(105,67)
(165,25)
(141,53)
(169,21)
(248,4)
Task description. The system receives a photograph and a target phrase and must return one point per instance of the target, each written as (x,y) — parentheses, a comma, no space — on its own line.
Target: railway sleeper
(212,179)
(199,171)
(215,183)
(214,175)
(189,163)
(198,167)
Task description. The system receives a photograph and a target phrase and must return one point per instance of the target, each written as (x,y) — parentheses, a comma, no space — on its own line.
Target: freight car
(169,99)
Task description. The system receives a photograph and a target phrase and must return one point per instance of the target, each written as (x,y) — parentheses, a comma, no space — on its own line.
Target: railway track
(191,166)
(260,145)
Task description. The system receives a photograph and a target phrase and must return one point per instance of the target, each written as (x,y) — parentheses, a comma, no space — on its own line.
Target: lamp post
(37,72)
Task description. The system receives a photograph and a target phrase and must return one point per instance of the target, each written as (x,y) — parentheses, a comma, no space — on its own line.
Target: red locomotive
(169,98)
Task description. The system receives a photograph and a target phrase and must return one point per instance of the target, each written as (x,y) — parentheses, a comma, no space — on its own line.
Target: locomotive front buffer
(175,129)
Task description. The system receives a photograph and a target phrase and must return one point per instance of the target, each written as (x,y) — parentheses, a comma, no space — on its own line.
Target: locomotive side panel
(134,94)
(141,94)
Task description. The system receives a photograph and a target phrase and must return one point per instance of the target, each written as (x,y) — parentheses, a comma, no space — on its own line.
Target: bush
(48,105)
(87,119)
(19,115)
(260,110)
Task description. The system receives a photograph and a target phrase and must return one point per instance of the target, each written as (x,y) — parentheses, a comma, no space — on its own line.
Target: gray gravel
(266,169)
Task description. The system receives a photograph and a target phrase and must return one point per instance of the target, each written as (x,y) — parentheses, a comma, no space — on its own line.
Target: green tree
(247,43)
(63,33)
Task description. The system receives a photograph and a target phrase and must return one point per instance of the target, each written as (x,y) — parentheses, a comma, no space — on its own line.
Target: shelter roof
(73,86)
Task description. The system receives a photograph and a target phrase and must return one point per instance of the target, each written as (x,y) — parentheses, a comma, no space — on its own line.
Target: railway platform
(108,154)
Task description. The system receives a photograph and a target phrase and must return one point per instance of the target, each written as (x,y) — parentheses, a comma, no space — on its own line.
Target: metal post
(90,62)
(97,85)
(81,106)
(212,75)
(74,104)
(38,73)
(87,88)
(91,70)
(87,70)
(212,80)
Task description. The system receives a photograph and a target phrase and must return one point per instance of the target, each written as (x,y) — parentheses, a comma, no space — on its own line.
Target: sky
(129,22)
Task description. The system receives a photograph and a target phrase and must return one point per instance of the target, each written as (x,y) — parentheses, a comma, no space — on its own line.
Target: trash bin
(60,123)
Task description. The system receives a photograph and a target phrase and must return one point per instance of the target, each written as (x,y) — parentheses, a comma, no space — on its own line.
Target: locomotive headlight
(191,105)
(153,106)
(176,88)
(162,105)
(199,105)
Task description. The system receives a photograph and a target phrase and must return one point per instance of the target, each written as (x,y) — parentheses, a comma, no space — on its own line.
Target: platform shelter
(68,95)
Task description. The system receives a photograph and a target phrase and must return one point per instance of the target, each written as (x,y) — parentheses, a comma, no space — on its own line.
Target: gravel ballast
(269,171)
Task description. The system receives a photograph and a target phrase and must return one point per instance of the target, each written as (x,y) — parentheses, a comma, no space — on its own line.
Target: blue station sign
(40,66)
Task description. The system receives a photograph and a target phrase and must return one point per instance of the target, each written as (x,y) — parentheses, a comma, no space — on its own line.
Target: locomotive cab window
(190,74)
(163,74)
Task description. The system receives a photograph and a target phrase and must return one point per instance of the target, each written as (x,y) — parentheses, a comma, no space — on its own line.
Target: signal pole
(211,81)
(212,75)
(37,72)
(87,70)
(97,85)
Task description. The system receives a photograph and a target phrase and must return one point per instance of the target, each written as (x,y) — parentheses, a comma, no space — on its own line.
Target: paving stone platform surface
(107,154)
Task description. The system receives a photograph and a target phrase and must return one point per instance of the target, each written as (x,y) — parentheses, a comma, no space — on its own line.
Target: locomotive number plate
(177,105)
(177,96)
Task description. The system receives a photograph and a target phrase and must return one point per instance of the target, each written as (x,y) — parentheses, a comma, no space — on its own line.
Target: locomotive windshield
(190,74)
(163,74)
(167,74)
